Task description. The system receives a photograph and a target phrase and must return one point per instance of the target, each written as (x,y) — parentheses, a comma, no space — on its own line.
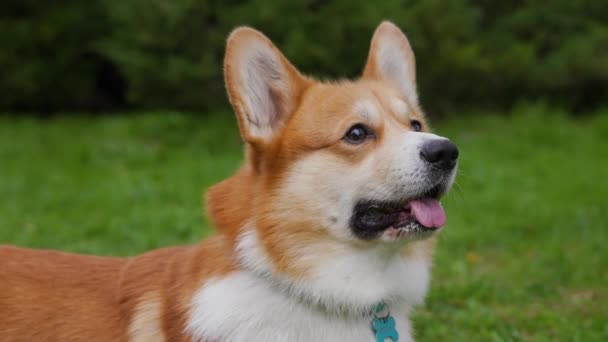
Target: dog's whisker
(459,191)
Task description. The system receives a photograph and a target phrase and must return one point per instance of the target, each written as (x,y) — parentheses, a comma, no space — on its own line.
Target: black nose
(441,153)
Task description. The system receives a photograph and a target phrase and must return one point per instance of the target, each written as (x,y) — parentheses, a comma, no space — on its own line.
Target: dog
(325,233)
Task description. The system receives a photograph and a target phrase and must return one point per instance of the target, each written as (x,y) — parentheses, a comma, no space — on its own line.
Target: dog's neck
(320,272)
(346,281)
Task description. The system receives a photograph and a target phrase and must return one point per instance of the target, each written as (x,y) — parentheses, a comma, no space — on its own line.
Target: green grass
(523,257)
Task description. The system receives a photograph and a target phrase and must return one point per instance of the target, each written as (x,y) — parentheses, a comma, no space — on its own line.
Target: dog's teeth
(411,227)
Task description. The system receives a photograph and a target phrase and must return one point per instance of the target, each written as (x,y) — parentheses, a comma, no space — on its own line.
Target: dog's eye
(416,125)
(358,134)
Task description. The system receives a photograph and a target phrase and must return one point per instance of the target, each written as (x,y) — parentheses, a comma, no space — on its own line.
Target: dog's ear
(391,58)
(262,85)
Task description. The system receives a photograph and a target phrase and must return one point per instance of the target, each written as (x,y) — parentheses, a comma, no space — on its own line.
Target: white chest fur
(258,304)
(243,308)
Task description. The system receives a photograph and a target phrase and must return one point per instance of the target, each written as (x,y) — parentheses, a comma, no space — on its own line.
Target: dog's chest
(240,308)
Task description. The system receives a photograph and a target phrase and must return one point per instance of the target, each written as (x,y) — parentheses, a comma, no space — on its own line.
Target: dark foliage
(110,54)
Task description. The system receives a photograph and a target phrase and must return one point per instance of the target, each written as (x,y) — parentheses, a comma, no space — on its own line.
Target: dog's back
(55,296)
(57,290)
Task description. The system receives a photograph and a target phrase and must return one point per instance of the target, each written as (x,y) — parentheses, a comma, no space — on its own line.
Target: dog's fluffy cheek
(324,188)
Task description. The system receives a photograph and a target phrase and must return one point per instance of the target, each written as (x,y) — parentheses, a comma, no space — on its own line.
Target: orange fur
(55,296)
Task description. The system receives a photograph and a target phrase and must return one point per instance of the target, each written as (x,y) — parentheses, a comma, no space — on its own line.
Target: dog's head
(348,161)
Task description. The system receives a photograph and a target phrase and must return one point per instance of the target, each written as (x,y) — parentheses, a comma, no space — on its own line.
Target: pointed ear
(262,85)
(391,58)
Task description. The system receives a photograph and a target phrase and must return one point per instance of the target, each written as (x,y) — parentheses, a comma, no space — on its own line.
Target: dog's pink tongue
(429,212)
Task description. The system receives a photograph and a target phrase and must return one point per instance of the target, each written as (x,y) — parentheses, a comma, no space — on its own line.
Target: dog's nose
(441,153)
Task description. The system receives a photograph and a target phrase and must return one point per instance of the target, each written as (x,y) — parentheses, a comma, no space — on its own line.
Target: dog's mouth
(412,217)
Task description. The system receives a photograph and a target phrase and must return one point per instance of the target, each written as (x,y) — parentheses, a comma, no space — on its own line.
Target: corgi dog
(325,233)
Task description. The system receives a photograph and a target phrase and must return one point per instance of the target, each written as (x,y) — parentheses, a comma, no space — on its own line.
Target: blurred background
(114,119)
(114,55)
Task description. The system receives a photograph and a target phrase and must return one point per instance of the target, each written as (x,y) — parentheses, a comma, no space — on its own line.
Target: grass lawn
(523,257)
